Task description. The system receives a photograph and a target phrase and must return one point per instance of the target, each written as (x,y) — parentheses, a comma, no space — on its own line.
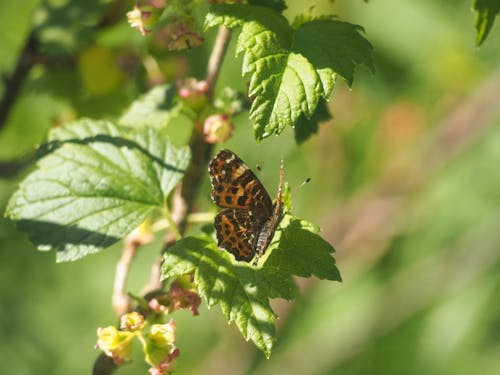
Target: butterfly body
(246,225)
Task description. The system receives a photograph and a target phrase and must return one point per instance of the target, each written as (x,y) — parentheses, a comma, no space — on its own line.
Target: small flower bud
(132,322)
(217,128)
(143,18)
(193,92)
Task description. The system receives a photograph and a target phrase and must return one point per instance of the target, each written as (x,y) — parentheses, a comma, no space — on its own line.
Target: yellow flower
(114,343)
(159,347)
(132,321)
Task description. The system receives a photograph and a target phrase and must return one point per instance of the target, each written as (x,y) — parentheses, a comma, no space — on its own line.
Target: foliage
(96,180)
(96,183)
(243,291)
(288,73)
(486,12)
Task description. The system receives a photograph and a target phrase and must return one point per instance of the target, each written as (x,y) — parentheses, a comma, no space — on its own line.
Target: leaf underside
(288,73)
(243,291)
(94,185)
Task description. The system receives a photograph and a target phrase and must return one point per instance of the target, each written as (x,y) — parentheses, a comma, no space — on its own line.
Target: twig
(11,168)
(186,192)
(153,283)
(13,83)
(121,300)
(216,58)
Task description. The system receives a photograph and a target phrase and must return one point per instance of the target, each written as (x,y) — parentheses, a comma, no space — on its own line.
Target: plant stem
(216,58)
(121,300)
(201,151)
(13,83)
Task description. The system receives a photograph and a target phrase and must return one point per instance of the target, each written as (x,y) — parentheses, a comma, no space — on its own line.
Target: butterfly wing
(237,232)
(234,185)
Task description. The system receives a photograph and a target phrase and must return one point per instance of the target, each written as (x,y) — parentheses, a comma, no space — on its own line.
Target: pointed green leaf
(95,184)
(288,73)
(221,280)
(299,250)
(243,291)
(486,12)
(337,48)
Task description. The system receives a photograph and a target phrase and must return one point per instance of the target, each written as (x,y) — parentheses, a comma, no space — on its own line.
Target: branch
(120,298)
(13,83)
(201,151)
(216,58)
(11,168)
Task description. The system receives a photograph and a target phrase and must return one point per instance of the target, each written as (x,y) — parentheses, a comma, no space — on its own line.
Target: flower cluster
(158,342)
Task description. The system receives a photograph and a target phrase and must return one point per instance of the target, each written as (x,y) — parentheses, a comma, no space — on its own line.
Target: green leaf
(300,251)
(95,184)
(243,291)
(155,108)
(63,27)
(277,5)
(306,127)
(486,11)
(220,281)
(288,73)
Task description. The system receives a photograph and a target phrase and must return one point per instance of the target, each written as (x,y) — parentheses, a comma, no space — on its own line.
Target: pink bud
(217,128)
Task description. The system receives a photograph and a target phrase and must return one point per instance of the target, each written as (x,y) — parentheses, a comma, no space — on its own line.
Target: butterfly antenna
(259,169)
(307,180)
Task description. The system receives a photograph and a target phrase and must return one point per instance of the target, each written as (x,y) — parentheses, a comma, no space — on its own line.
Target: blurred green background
(405,184)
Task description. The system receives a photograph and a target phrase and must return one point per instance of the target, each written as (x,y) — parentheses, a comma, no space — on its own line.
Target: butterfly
(246,225)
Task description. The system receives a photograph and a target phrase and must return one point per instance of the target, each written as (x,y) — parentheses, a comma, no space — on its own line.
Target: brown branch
(11,168)
(120,298)
(13,83)
(216,58)
(186,193)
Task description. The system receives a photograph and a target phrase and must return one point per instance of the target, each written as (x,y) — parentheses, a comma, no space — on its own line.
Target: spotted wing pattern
(237,232)
(247,224)
(234,185)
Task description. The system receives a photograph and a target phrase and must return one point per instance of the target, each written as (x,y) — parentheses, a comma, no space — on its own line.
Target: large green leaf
(486,12)
(289,73)
(96,183)
(243,291)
